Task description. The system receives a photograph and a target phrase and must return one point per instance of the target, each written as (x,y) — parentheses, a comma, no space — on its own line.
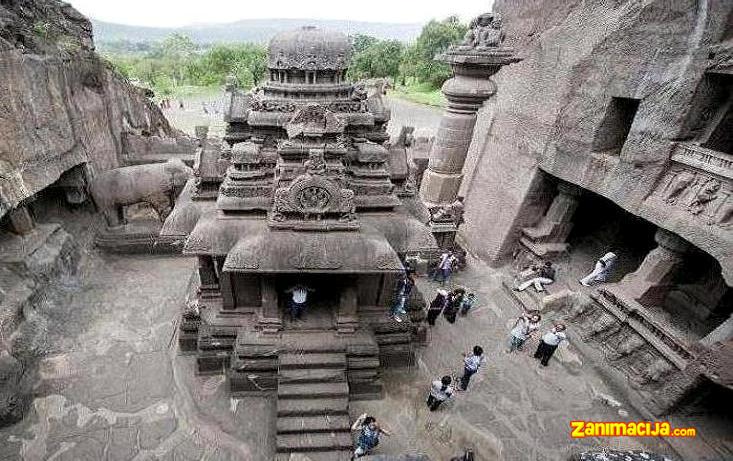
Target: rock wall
(60,104)
(549,107)
(61,107)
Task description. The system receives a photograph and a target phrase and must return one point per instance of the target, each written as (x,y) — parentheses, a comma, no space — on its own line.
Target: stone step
(310,407)
(312,390)
(318,441)
(318,360)
(544,250)
(317,423)
(311,375)
(336,455)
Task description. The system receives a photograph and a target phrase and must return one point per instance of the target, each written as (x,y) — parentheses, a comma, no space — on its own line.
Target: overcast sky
(174,13)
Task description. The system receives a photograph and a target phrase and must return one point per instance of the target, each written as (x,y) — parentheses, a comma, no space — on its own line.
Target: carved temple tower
(307,199)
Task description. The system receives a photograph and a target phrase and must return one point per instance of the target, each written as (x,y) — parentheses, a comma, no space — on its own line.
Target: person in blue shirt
(471,364)
(369,432)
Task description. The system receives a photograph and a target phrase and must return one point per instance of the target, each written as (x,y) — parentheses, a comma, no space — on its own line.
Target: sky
(176,13)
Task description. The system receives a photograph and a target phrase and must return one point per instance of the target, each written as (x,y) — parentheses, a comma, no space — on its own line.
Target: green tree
(361,42)
(381,58)
(435,38)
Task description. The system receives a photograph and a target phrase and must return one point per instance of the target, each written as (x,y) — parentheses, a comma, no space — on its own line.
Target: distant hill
(249,30)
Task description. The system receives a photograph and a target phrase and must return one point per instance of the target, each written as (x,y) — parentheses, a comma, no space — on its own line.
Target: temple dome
(309,48)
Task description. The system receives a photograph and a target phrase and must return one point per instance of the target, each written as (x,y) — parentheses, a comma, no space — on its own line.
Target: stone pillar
(21,220)
(270,319)
(347,317)
(548,237)
(473,63)
(651,282)
(724,332)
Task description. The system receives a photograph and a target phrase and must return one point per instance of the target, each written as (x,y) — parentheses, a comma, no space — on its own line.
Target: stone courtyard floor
(114,387)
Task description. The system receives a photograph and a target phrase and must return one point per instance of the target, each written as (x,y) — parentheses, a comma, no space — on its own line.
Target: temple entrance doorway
(601,226)
(322,301)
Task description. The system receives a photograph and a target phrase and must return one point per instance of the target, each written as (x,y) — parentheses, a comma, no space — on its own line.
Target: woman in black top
(455,299)
(436,306)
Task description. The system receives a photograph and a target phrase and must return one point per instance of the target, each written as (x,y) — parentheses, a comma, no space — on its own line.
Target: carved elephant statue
(157,184)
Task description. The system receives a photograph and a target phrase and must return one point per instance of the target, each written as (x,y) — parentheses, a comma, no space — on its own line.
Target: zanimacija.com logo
(582,429)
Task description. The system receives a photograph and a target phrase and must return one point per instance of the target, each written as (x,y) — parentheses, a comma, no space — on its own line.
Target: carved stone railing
(634,315)
(710,161)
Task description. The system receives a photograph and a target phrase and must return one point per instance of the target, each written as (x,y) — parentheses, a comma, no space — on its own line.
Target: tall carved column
(548,237)
(651,282)
(474,62)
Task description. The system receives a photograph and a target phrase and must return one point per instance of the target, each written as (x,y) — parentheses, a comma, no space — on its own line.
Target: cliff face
(60,104)
(551,109)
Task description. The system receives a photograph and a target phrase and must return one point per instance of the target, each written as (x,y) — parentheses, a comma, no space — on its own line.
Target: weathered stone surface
(68,106)
(551,112)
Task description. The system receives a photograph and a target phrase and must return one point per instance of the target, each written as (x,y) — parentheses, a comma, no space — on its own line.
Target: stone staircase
(313,406)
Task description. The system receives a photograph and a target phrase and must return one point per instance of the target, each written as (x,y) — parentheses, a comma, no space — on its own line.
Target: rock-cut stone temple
(307,199)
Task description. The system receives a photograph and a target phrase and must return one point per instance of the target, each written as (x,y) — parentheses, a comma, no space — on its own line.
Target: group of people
(539,275)
(440,391)
(525,327)
(166,104)
(447,263)
(450,304)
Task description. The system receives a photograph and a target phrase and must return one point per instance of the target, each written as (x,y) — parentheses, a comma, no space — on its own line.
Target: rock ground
(114,386)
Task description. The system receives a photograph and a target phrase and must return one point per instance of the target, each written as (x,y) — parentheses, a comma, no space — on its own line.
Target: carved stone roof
(309,48)
(366,251)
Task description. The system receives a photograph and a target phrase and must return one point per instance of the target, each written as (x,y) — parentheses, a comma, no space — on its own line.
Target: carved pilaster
(21,220)
(548,237)
(269,319)
(347,318)
(651,282)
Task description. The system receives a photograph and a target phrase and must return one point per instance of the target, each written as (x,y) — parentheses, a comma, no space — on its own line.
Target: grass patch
(420,93)
(193,91)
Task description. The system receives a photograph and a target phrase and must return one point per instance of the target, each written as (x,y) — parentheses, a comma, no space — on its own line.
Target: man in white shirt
(440,391)
(299,300)
(445,267)
(549,342)
(471,364)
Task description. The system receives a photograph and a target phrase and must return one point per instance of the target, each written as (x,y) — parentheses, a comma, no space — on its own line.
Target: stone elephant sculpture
(157,184)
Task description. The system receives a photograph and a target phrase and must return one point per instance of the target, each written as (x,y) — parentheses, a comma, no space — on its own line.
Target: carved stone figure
(678,185)
(452,213)
(359,92)
(725,218)
(316,164)
(156,184)
(491,35)
(707,193)
(485,31)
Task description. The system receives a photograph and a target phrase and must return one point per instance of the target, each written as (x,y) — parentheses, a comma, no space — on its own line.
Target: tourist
(601,271)
(544,275)
(402,299)
(549,342)
(180,104)
(440,391)
(369,432)
(299,300)
(436,306)
(467,304)
(471,364)
(445,267)
(453,304)
(524,327)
